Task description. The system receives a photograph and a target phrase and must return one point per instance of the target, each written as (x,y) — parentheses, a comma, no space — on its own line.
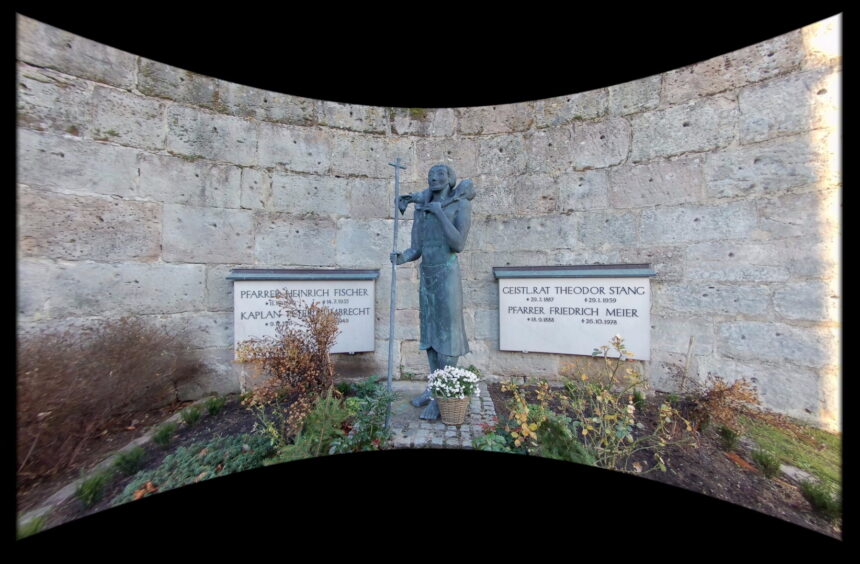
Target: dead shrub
(74,383)
(296,364)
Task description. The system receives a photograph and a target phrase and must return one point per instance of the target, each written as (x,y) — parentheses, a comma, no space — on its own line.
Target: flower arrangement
(452,382)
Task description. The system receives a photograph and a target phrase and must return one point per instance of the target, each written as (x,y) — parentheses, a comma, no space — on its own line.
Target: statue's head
(441,176)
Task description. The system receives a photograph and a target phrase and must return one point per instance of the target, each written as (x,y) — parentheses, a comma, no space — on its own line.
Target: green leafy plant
(214,405)
(163,434)
(129,462)
(32,526)
(321,427)
(822,499)
(91,490)
(367,388)
(343,387)
(199,461)
(768,463)
(368,422)
(191,415)
(729,437)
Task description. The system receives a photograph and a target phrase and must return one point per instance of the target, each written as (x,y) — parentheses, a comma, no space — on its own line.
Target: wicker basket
(453,410)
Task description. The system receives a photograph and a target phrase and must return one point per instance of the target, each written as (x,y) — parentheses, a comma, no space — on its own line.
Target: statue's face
(438,178)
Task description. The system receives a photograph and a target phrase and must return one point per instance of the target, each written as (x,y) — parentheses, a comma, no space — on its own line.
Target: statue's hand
(395,258)
(434,207)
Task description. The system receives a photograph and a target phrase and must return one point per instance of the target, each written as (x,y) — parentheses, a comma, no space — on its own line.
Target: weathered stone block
(550,150)
(373,199)
(657,183)
(72,164)
(822,43)
(196,133)
(246,101)
(584,190)
(126,119)
(478,264)
(692,127)
(665,370)
(165,81)
(502,155)
(791,390)
(813,300)
(367,243)
(222,375)
(256,189)
(482,294)
(793,104)
(359,366)
(207,235)
(358,154)
(84,227)
(202,330)
(530,194)
(691,224)
(506,118)
(479,355)
(673,334)
(412,359)
(487,324)
(436,122)
(751,64)
(50,101)
(801,257)
(176,180)
(290,241)
(519,364)
(608,229)
(295,148)
(704,298)
(309,195)
(814,215)
(523,234)
(47,46)
(737,261)
(219,290)
(564,109)
(367,119)
(407,325)
(77,289)
(635,96)
(773,166)
(667,262)
(600,144)
(462,154)
(813,347)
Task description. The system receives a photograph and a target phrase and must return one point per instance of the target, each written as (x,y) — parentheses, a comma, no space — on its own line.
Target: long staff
(397,166)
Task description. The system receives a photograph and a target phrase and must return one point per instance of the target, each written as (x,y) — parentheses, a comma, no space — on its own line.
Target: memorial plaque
(573,310)
(349,293)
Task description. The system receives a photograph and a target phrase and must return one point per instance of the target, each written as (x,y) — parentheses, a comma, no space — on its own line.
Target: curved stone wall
(141,185)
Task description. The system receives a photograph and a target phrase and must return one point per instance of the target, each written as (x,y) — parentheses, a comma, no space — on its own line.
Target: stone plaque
(573,310)
(349,293)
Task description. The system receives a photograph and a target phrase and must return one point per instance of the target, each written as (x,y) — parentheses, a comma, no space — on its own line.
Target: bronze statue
(443,215)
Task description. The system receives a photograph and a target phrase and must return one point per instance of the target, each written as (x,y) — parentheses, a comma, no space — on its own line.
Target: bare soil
(708,469)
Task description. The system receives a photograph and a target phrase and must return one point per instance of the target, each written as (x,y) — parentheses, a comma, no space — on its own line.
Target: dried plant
(296,365)
(77,382)
(722,403)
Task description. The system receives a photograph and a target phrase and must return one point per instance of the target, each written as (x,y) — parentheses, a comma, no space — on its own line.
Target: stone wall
(141,185)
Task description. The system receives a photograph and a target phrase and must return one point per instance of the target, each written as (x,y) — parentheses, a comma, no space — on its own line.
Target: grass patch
(813,450)
(729,438)
(191,415)
(822,499)
(92,489)
(129,462)
(767,463)
(32,527)
(214,405)
(162,435)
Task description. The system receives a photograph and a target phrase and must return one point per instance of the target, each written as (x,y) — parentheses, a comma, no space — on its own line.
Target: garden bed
(705,467)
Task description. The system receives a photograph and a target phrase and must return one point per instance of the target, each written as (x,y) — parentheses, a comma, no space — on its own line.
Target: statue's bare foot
(431,412)
(423,399)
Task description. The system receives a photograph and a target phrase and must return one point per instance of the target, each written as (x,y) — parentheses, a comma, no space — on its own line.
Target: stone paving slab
(408,430)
